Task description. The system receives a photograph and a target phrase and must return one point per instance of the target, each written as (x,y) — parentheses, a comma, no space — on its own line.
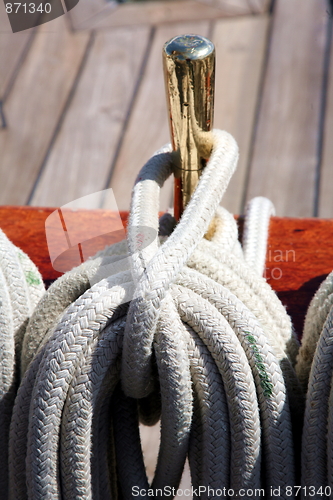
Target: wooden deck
(84,102)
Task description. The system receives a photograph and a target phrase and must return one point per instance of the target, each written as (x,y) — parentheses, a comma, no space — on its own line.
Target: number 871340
(31,8)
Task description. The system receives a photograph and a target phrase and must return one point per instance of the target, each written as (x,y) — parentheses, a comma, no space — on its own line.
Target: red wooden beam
(299,256)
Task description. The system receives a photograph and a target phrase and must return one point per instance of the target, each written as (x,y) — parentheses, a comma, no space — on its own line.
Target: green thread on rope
(32,278)
(264,380)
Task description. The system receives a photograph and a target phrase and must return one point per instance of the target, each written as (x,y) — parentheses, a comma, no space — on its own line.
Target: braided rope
(21,287)
(192,331)
(257,215)
(315,370)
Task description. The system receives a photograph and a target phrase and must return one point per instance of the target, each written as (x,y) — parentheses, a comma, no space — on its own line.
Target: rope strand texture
(21,287)
(187,320)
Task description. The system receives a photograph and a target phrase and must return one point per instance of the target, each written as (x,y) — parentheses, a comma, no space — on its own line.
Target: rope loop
(161,269)
(315,370)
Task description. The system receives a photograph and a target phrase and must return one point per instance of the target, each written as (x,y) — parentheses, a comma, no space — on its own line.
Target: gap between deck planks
(240,45)
(12,48)
(98,14)
(35,104)
(325,208)
(240,52)
(285,156)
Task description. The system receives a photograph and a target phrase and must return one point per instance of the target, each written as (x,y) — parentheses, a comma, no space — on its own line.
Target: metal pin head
(189,47)
(189,68)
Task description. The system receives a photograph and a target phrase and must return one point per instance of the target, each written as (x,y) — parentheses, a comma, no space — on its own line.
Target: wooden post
(189,69)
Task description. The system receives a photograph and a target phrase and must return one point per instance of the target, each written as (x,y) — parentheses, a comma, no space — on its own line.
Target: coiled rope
(315,370)
(187,330)
(21,287)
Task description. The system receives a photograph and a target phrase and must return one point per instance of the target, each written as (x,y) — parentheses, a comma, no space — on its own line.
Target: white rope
(257,216)
(21,287)
(193,332)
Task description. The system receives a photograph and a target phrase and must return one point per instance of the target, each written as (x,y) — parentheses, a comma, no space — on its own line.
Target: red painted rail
(299,256)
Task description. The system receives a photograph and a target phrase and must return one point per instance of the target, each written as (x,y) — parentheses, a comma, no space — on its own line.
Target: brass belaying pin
(189,69)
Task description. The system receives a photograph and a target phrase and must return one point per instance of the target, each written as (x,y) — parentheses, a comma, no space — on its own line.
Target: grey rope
(315,370)
(21,287)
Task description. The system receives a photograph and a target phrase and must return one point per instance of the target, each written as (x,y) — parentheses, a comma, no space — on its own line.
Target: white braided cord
(315,370)
(21,287)
(190,321)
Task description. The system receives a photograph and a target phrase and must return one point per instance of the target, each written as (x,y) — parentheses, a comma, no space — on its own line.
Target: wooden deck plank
(325,206)
(79,162)
(35,105)
(284,162)
(12,46)
(240,49)
(148,127)
(86,10)
(99,16)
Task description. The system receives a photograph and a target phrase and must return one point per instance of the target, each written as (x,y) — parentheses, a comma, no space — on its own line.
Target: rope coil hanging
(315,369)
(21,287)
(192,332)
